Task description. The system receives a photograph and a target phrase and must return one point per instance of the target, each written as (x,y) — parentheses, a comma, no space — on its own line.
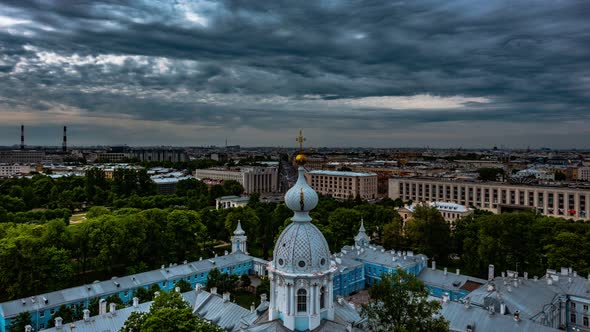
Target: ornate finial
(300,139)
(300,159)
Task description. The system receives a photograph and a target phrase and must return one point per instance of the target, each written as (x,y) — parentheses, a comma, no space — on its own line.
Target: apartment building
(7,170)
(253,179)
(495,197)
(343,184)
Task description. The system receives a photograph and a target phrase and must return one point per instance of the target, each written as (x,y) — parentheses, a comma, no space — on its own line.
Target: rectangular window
(585,320)
(585,307)
(42,314)
(573,318)
(573,306)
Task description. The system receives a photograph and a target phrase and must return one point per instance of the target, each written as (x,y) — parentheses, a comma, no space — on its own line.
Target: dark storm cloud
(285,64)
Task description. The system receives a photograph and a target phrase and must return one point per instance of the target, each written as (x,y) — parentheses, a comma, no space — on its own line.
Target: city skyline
(426,73)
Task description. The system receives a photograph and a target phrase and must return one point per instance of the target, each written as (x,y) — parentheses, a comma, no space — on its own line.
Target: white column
(587,206)
(577,204)
(555,203)
(289,299)
(545,202)
(273,295)
(482,197)
(536,199)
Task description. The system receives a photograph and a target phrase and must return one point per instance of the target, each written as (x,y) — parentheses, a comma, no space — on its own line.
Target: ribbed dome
(301,248)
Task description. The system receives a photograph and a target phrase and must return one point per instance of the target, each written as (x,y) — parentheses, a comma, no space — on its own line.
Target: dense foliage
(43,198)
(137,231)
(169,312)
(399,302)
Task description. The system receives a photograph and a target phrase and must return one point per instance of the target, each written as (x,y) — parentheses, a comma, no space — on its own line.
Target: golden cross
(300,139)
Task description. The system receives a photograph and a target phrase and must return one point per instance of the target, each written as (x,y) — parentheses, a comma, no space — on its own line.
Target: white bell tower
(239,240)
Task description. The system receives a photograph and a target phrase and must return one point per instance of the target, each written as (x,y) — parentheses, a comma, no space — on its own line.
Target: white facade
(344,185)
(226,202)
(301,272)
(253,179)
(495,197)
(10,170)
(584,173)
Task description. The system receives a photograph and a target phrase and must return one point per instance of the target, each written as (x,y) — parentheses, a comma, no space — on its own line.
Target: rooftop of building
(220,311)
(379,256)
(450,281)
(344,315)
(443,206)
(530,296)
(233,198)
(341,173)
(115,285)
(461,316)
(565,186)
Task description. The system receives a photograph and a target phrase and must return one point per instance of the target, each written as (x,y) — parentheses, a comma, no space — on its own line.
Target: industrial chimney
(65,142)
(22,137)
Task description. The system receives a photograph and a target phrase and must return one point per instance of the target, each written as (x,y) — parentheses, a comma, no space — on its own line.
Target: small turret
(362,239)
(239,240)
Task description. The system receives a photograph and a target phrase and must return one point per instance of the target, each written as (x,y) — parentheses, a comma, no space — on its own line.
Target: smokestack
(22,137)
(65,142)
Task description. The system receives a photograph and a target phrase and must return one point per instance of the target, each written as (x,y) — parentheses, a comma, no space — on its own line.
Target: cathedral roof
(302,248)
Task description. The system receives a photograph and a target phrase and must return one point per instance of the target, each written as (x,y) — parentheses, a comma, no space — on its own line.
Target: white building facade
(344,185)
(253,179)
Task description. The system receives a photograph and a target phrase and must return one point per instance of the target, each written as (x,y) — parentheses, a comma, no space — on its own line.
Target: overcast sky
(437,73)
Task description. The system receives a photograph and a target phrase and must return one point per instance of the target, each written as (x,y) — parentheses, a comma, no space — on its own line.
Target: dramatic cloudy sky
(364,73)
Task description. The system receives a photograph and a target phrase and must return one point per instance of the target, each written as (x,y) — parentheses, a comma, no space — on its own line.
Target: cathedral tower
(301,272)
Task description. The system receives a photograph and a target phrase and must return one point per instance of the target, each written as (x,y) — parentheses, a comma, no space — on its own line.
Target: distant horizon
(456,148)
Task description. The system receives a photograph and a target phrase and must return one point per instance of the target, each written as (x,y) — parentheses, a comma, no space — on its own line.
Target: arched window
(301,300)
(322,297)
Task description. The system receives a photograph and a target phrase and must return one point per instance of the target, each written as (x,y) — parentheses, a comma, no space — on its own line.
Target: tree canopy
(168,313)
(399,302)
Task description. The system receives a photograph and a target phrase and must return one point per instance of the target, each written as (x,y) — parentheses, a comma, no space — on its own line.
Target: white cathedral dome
(301,249)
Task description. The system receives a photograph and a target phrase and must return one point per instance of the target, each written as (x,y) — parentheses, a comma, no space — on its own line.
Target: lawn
(77,218)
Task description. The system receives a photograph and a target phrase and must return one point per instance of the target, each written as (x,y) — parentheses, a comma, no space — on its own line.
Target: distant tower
(238,241)
(22,137)
(362,239)
(64,146)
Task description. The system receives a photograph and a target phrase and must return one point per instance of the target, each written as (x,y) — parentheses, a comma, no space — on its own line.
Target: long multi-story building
(253,179)
(343,184)
(495,197)
(154,154)
(21,156)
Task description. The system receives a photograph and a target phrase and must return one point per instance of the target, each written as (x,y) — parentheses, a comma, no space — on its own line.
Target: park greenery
(399,302)
(130,229)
